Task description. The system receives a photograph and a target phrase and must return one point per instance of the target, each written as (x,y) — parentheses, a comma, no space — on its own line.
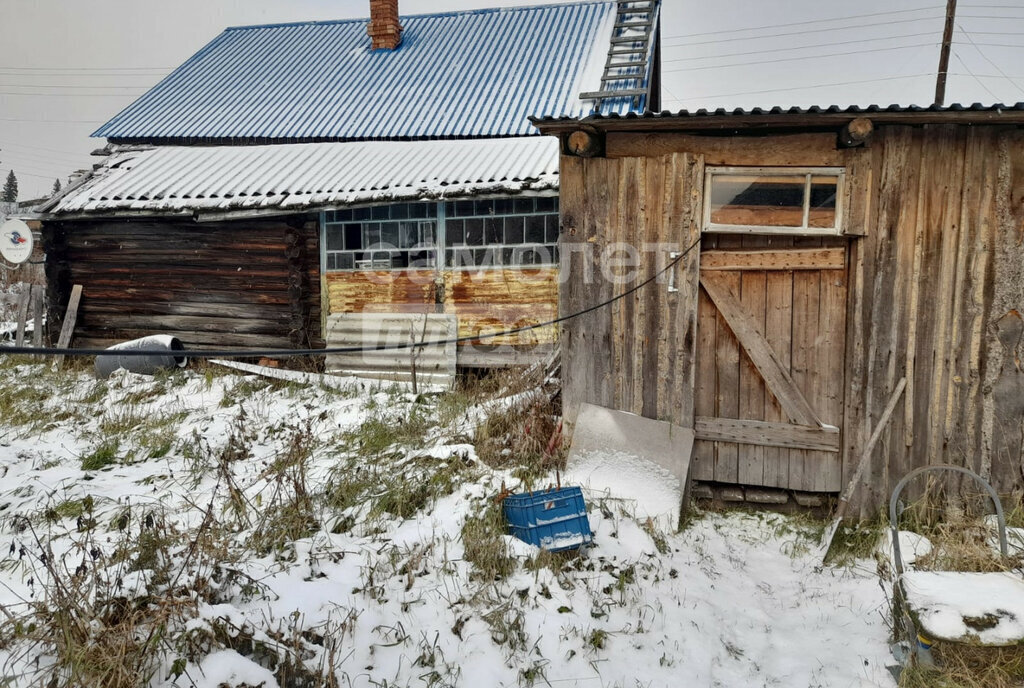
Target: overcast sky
(66,66)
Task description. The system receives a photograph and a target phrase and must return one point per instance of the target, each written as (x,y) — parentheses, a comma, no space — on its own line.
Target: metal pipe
(146,365)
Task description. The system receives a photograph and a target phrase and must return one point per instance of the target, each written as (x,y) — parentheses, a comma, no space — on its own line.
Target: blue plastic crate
(554,519)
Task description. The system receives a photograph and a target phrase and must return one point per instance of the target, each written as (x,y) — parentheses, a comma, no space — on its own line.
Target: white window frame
(803,230)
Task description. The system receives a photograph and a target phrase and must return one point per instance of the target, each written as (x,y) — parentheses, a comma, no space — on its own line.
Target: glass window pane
(547,204)
(399,211)
(361,214)
(379,212)
(551,235)
(353,236)
(535,229)
(390,234)
(475,232)
(514,230)
(492,231)
(335,238)
(463,208)
(456,232)
(760,200)
(345,261)
(343,215)
(823,202)
(523,205)
(502,206)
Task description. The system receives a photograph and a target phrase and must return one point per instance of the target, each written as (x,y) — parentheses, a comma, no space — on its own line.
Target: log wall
(935,231)
(242,284)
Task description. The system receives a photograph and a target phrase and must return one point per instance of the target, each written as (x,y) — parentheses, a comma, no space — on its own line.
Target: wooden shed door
(770,372)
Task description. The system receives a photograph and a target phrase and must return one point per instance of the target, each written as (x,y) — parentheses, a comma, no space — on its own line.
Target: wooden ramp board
(435,365)
(644,462)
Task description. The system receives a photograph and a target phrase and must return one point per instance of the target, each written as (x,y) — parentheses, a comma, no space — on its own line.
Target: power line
(981,83)
(804,88)
(4,142)
(799,58)
(85,69)
(802,33)
(92,87)
(809,21)
(52,121)
(986,58)
(16,350)
(74,95)
(799,47)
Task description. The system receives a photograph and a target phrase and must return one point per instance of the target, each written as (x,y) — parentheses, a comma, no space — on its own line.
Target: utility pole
(947,42)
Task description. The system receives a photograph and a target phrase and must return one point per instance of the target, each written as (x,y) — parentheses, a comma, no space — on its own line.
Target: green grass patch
(484,545)
(105,454)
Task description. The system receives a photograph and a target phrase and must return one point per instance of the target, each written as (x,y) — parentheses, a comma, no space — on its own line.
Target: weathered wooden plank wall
(486,300)
(940,266)
(935,234)
(636,355)
(228,284)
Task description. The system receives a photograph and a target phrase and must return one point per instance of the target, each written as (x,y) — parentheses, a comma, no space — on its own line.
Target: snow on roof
(456,74)
(311,175)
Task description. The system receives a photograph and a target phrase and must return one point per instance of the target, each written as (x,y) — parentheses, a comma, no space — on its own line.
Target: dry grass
(955,519)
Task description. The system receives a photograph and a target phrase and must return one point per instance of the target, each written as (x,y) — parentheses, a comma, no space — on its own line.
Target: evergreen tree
(56,186)
(10,193)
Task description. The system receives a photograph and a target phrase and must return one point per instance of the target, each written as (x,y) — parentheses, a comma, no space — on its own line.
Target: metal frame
(896,508)
(441,245)
(837,230)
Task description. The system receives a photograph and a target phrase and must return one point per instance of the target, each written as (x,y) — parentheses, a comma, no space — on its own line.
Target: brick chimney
(384,29)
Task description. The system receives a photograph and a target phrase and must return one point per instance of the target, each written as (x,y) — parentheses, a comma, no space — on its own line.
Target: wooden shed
(834,253)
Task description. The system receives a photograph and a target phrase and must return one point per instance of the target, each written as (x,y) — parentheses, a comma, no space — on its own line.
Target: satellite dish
(15,241)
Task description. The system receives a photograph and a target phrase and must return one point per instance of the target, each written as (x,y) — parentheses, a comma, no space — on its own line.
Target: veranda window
(773,200)
(477,233)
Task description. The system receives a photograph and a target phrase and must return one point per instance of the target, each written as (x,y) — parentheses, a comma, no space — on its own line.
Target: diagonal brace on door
(776,377)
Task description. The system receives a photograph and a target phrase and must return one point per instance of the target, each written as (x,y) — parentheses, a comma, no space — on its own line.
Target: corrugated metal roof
(982,112)
(458,74)
(310,175)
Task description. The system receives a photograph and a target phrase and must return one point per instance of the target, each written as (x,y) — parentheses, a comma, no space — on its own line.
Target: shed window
(773,200)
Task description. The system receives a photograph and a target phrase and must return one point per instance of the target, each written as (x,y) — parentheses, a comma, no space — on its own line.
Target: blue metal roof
(458,74)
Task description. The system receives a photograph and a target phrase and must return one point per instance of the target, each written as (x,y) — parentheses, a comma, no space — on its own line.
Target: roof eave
(777,118)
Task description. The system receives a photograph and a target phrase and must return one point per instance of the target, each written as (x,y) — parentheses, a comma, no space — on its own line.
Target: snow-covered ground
(267,511)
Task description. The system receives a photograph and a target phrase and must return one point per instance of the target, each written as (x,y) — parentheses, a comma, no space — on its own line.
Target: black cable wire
(283,353)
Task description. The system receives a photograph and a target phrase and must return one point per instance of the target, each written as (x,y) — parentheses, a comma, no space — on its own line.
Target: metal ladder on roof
(627,65)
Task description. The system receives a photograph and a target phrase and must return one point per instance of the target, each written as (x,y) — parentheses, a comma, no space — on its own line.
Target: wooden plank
(767,434)
(656,312)
(778,330)
(753,296)
(705,381)
(23,301)
(833,258)
(575,358)
(803,150)
(68,327)
(37,315)
(832,361)
(778,379)
(689,194)
(727,392)
(804,369)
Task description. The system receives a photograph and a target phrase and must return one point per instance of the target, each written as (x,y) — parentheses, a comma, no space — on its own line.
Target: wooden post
(68,328)
(947,43)
(37,315)
(23,299)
